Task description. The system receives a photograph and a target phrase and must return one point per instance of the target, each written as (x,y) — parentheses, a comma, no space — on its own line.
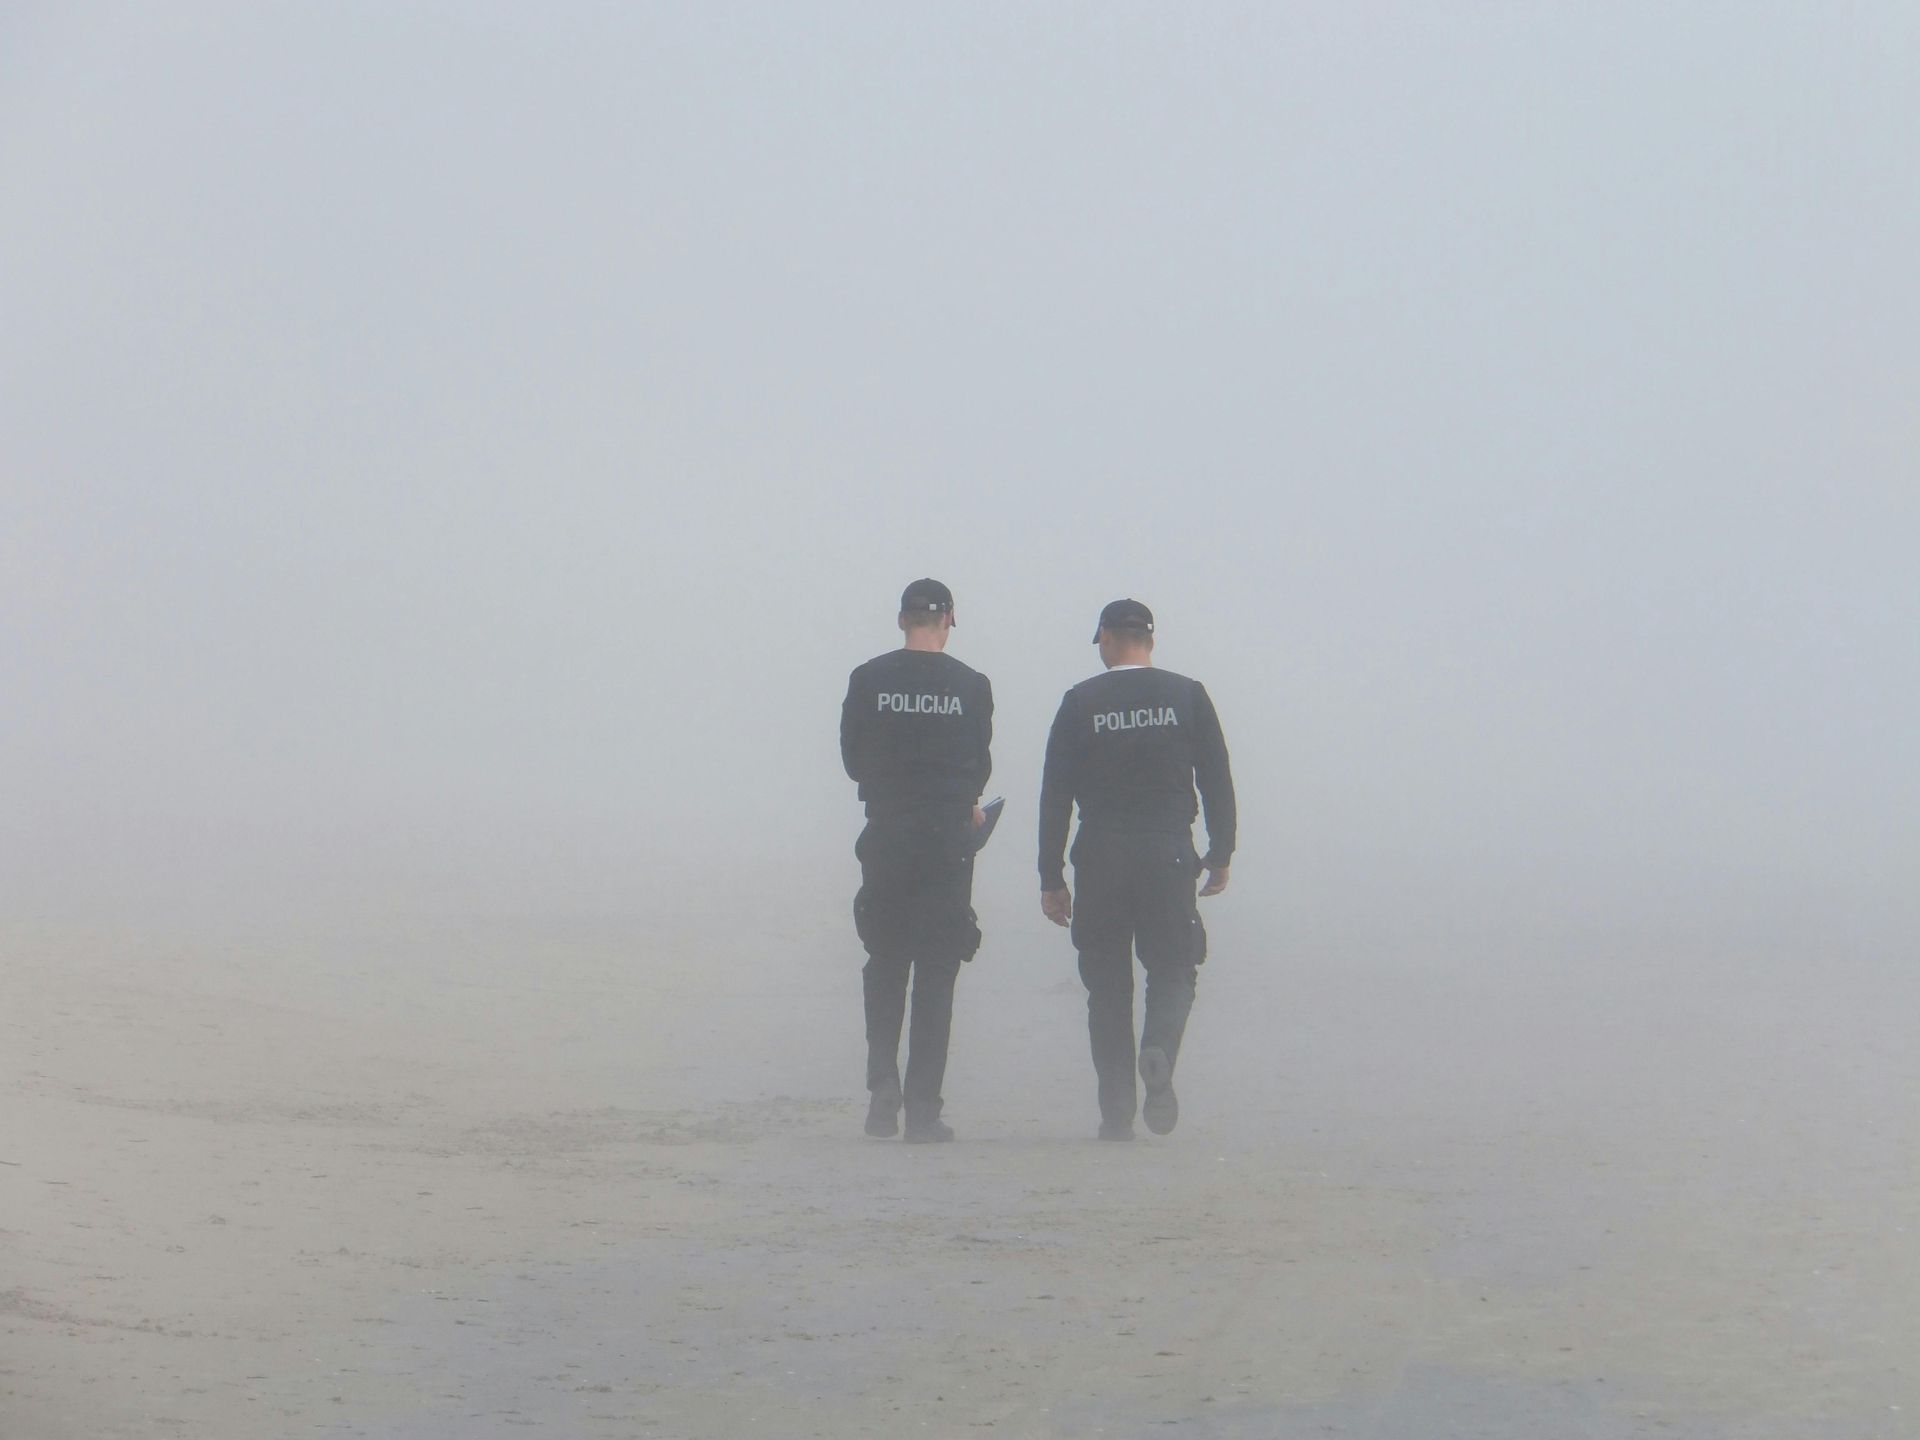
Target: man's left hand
(1216,881)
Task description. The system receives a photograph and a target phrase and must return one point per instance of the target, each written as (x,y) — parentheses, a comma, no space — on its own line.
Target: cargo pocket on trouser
(1173,940)
(866,922)
(969,935)
(962,939)
(1172,933)
(862,925)
(949,930)
(1196,937)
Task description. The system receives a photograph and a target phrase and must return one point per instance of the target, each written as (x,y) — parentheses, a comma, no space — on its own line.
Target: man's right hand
(1057,905)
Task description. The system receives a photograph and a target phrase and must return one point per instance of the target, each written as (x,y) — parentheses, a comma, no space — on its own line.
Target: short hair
(922,619)
(1130,634)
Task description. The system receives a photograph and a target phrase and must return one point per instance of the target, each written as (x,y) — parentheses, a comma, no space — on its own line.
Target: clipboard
(983,832)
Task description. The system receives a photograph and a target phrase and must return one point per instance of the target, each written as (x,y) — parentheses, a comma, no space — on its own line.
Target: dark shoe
(927,1132)
(1116,1130)
(1161,1108)
(883,1110)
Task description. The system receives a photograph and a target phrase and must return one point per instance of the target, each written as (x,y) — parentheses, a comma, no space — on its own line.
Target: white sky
(452,455)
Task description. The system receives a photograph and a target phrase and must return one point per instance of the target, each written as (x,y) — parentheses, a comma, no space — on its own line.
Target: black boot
(883,1109)
(925,1127)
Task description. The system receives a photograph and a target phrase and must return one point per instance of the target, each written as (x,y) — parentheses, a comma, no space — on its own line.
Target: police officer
(1129,745)
(915,732)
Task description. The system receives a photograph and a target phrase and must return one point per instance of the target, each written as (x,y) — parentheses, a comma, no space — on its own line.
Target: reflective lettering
(1135,719)
(920,704)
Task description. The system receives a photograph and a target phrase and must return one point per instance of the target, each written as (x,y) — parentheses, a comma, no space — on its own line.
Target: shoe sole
(886,1123)
(1161,1108)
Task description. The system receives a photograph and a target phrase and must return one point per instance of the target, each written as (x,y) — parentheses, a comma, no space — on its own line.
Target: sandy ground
(438,1180)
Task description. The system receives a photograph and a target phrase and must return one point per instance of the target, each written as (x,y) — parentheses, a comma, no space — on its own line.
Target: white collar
(1114,669)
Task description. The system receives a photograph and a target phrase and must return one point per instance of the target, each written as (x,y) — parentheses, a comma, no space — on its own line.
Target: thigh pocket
(968,934)
(1192,944)
(944,932)
(1174,940)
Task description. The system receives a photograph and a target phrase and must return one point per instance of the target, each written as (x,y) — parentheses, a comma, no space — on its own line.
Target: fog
(451,457)
(462,453)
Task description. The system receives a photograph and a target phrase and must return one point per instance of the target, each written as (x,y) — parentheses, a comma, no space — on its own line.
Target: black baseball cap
(923,595)
(1124,615)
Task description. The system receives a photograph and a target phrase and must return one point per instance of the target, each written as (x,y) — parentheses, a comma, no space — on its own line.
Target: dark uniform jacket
(915,731)
(1129,746)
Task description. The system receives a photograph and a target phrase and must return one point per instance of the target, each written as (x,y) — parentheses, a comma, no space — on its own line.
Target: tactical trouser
(1135,888)
(914,914)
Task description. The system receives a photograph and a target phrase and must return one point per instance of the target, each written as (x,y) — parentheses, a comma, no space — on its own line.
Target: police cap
(926,595)
(1124,615)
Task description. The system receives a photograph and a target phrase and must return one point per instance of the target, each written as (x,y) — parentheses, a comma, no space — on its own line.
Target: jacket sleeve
(1057,782)
(1214,776)
(853,714)
(984,758)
